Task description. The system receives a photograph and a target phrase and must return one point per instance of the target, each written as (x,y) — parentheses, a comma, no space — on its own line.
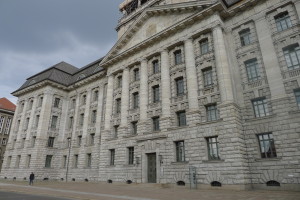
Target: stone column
(191,75)
(109,102)
(222,65)
(143,91)
(125,98)
(32,118)
(165,89)
(45,116)
(86,120)
(270,58)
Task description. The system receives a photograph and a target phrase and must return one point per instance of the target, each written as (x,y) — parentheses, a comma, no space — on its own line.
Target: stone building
(7,110)
(193,92)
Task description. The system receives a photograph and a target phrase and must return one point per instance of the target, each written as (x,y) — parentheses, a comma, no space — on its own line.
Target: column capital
(143,60)
(125,69)
(190,39)
(164,50)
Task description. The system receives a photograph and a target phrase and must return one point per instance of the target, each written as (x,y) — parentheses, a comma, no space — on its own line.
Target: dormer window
(81,76)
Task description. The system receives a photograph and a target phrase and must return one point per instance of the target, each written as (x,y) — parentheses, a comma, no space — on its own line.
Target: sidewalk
(119,191)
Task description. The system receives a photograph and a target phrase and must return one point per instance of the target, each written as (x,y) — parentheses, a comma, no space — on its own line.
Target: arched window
(273,183)
(181,183)
(215,184)
(129,181)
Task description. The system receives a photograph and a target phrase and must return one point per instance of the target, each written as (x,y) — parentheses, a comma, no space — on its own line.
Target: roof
(7,105)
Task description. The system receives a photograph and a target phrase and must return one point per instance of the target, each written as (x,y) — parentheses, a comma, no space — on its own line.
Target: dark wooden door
(152,168)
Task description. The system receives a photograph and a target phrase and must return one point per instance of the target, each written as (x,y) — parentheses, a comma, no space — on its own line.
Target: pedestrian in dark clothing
(31,178)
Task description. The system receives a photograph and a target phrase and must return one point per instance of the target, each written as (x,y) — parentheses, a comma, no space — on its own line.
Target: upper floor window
(292,56)
(155,66)
(56,102)
(260,107)
(94,116)
(50,141)
(75,164)
(155,121)
(71,121)
(26,124)
(297,95)
(37,119)
(92,139)
(89,160)
(48,161)
(95,96)
(211,112)
(7,126)
(134,128)
(180,154)
(204,46)
(81,119)
(112,157)
(283,21)
(213,148)
(252,70)
(245,37)
(207,77)
(119,81)
(41,101)
(178,57)
(2,118)
(30,104)
(179,86)
(181,118)
(267,146)
(73,103)
(118,105)
(155,91)
(116,131)
(136,74)
(135,100)
(79,140)
(54,122)
(83,100)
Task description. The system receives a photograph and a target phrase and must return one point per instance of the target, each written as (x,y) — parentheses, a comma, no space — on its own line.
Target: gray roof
(63,73)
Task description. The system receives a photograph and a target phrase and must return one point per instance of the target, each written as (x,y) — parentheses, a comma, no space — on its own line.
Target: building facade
(7,110)
(203,88)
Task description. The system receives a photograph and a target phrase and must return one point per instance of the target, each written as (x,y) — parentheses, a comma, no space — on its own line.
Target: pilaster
(143,90)
(42,129)
(125,97)
(109,102)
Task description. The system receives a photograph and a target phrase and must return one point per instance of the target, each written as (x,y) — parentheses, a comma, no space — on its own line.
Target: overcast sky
(36,34)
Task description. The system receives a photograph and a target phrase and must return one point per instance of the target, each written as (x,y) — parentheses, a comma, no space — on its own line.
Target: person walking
(31,178)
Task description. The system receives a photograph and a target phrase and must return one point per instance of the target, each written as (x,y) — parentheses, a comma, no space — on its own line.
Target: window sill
(177,127)
(130,135)
(111,139)
(260,118)
(180,163)
(213,161)
(110,166)
(294,112)
(129,165)
(210,122)
(267,159)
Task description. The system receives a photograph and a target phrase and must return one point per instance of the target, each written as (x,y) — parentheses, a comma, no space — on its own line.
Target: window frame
(262,145)
(50,143)
(292,56)
(155,122)
(211,112)
(112,157)
(118,105)
(208,77)
(283,21)
(178,57)
(179,82)
(204,46)
(257,107)
(56,102)
(181,118)
(130,155)
(136,100)
(252,69)
(156,94)
(180,151)
(297,97)
(136,74)
(155,66)
(48,161)
(213,150)
(245,37)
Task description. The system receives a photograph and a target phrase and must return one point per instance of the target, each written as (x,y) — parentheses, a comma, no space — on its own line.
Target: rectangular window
(79,139)
(75,161)
(245,37)
(54,122)
(18,161)
(83,100)
(26,124)
(8,161)
(260,107)
(30,104)
(41,101)
(211,112)
(73,103)
(180,155)
(267,146)
(64,163)
(1,123)
(4,141)
(48,161)
(71,121)
(28,161)
(81,119)
(297,95)
(92,138)
(119,81)
(178,57)
(179,86)
(112,156)
(213,148)
(207,77)
(37,119)
(252,70)
(155,123)
(134,128)
(130,155)
(94,117)
(116,131)
(33,141)
(292,56)
(96,94)
(181,118)
(136,100)
(155,67)
(155,91)
(13,143)
(283,21)
(204,46)
(56,102)
(136,74)
(118,105)
(51,141)
(23,142)
(89,160)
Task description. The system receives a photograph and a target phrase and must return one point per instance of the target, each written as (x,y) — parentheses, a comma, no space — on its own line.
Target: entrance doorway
(151,168)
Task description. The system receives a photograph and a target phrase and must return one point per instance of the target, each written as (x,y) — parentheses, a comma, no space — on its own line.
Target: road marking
(76,192)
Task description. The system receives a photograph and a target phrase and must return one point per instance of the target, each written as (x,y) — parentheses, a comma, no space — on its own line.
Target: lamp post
(69,146)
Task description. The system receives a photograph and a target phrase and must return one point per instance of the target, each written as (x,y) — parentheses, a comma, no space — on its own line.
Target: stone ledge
(260,118)
(267,159)
(152,138)
(180,163)
(210,122)
(294,112)
(213,161)
(130,135)
(177,127)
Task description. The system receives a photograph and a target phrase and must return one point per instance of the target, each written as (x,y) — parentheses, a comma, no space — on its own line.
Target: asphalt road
(18,196)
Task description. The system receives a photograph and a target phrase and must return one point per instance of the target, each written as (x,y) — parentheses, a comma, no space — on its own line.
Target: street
(19,196)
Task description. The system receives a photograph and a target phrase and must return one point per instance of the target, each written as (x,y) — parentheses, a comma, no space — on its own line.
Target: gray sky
(36,34)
